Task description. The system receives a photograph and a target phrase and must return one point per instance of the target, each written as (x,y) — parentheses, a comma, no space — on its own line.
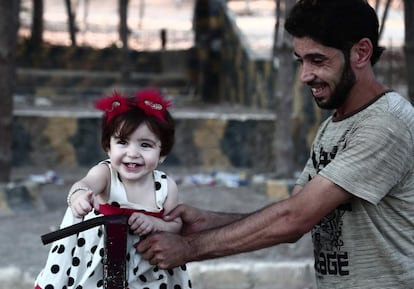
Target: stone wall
(245,77)
(227,69)
(212,141)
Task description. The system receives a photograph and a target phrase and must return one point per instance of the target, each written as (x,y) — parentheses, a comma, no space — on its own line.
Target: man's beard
(341,92)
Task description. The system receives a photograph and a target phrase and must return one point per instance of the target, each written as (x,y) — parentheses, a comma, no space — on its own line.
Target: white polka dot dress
(77,261)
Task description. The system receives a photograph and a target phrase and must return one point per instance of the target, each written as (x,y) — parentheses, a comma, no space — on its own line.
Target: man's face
(326,71)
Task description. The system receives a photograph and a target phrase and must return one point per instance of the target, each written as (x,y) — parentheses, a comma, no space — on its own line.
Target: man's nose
(306,73)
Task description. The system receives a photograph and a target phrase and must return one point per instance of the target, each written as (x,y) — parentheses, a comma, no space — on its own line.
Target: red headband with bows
(150,101)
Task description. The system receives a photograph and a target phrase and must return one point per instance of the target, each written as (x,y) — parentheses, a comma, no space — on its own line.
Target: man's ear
(361,52)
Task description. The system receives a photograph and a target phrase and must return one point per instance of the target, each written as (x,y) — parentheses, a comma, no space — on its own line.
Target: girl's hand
(141,224)
(82,203)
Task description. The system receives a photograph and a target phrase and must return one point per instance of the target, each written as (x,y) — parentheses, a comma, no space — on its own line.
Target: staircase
(66,76)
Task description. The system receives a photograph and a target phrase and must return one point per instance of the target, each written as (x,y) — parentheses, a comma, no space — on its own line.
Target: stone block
(279,189)
(20,197)
(282,275)
(219,276)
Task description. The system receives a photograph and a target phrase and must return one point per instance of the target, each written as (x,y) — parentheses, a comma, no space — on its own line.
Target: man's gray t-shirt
(369,241)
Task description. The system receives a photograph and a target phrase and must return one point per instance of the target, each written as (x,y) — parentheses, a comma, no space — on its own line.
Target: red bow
(113,106)
(149,100)
(152,103)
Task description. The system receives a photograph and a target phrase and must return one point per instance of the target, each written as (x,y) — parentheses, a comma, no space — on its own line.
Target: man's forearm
(223,237)
(281,222)
(274,224)
(218,219)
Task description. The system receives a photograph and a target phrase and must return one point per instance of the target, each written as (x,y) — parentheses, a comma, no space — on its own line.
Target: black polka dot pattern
(116,204)
(157,186)
(61,249)
(55,269)
(82,255)
(81,242)
(75,261)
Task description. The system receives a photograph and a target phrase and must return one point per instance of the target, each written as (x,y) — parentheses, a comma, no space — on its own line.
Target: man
(356,192)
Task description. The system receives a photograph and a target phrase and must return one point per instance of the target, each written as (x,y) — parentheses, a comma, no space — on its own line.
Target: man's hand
(165,250)
(194,219)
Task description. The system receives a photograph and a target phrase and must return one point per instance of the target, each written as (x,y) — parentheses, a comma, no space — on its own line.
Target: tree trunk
(282,93)
(409,46)
(141,13)
(36,38)
(71,22)
(384,17)
(8,41)
(123,34)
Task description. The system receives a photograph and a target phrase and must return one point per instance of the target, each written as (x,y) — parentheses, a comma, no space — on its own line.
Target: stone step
(241,275)
(72,87)
(250,274)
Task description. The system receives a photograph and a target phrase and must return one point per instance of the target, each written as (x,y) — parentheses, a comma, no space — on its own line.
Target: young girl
(137,134)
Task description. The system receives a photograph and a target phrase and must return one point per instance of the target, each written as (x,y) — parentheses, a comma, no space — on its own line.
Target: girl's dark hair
(335,23)
(124,124)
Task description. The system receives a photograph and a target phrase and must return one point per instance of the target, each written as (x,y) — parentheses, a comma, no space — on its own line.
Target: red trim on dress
(108,210)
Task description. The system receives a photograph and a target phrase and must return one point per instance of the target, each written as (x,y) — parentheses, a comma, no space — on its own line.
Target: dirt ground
(21,245)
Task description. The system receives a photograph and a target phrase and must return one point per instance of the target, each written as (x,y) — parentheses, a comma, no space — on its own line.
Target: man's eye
(317,61)
(299,60)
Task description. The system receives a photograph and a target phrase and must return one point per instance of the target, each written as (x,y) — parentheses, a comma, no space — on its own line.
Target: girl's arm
(89,191)
(142,224)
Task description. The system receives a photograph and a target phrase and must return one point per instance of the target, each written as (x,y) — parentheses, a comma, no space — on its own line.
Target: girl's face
(137,156)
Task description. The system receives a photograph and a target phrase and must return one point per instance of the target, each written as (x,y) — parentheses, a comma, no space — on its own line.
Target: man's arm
(281,222)
(196,220)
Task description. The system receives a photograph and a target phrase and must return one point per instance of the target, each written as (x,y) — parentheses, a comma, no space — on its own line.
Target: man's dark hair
(335,23)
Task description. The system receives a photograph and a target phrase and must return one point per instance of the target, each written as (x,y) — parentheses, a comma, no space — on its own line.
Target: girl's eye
(146,145)
(121,141)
